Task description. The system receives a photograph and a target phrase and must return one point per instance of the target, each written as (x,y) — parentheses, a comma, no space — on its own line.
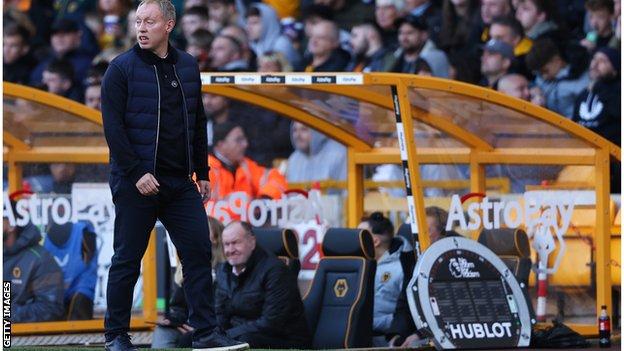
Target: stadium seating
(283,243)
(339,303)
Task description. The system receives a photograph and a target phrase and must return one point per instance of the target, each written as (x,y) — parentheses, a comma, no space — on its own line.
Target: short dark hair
(597,5)
(546,6)
(202,38)
(541,53)
(512,23)
(222,130)
(381,225)
(440,217)
(200,11)
(253,11)
(15,29)
(245,225)
(61,67)
(315,10)
(95,74)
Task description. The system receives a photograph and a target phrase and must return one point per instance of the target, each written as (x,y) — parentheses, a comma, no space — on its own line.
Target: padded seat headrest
(281,242)
(348,242)
(506,242)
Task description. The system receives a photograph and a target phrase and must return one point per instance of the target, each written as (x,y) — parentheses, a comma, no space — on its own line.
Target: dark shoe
(218,342)
(120,343)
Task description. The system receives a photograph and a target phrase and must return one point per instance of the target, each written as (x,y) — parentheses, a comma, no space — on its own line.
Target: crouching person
(257,300)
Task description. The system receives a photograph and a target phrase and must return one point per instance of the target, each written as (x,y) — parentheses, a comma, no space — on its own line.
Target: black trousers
(179,207)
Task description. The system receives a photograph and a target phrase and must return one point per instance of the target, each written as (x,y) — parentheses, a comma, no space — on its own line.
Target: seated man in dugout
(36,279)
(257,300)
(395,264)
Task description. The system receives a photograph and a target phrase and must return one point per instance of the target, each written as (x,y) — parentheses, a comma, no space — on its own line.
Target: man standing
(155,128)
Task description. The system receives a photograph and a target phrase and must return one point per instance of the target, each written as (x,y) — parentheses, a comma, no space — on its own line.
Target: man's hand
(148,185)
(185,328)
(204,188)
(409,340)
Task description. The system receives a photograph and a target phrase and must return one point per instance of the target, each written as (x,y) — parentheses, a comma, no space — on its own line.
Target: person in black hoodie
(324,47)
(36,279)
(598,107)
(17,61)
(257,300)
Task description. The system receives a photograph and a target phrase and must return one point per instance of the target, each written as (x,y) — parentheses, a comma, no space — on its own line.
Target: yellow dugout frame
(431,102)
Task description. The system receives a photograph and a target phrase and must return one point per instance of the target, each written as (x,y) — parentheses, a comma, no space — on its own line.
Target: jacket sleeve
(114,99)
(278,290)
(200,144)
(402,323)
(269,181)
(46,285)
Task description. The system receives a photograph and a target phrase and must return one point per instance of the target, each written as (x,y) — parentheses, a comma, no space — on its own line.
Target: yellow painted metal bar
(425,155)
(13,142)
(426,117)
(603,233)
(477,183)
(355,191)
(521,106)
(74,154)
(295,113)
(149,280)
(534,156)
(93,325)
(15,176)
(58,102)
(413,165)
(501,184)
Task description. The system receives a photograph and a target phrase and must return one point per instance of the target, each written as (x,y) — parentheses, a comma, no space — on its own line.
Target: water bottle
(604,328)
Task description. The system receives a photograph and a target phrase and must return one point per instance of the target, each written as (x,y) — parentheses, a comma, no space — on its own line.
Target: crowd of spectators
(563,55)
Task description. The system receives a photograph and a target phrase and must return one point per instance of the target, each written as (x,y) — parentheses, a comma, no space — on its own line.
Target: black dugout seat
(339,303)
(281,242)
(512,246)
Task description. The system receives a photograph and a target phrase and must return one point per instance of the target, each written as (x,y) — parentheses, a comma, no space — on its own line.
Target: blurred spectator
(17,60)
(73,246)
(109,25)
(369,54)
(241,35)
(65,39)
(536,17)
(222,14)
(431,12)
(231,171)
(36,279)
(217,111)
(226,55)
(598,107)
(460,26)
(193,19)
(314,14)
(93,96)
(517,85)
(316,156)
(58,78)
(436,224)
(495,62)
(387,12)
(491,9)
(600,19)
(561,82)
(509,30)
(257,300)
(198,45)
(95,74)
(617,26)
(264,33)
(395,264)
(348,13)
(273,62)
(465,67)
(414,44)
(324,48)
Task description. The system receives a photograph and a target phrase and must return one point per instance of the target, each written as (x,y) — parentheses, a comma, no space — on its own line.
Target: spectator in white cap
(386,14)
(495,61)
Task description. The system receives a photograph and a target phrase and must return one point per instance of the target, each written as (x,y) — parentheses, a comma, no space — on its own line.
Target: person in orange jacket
(231,171)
